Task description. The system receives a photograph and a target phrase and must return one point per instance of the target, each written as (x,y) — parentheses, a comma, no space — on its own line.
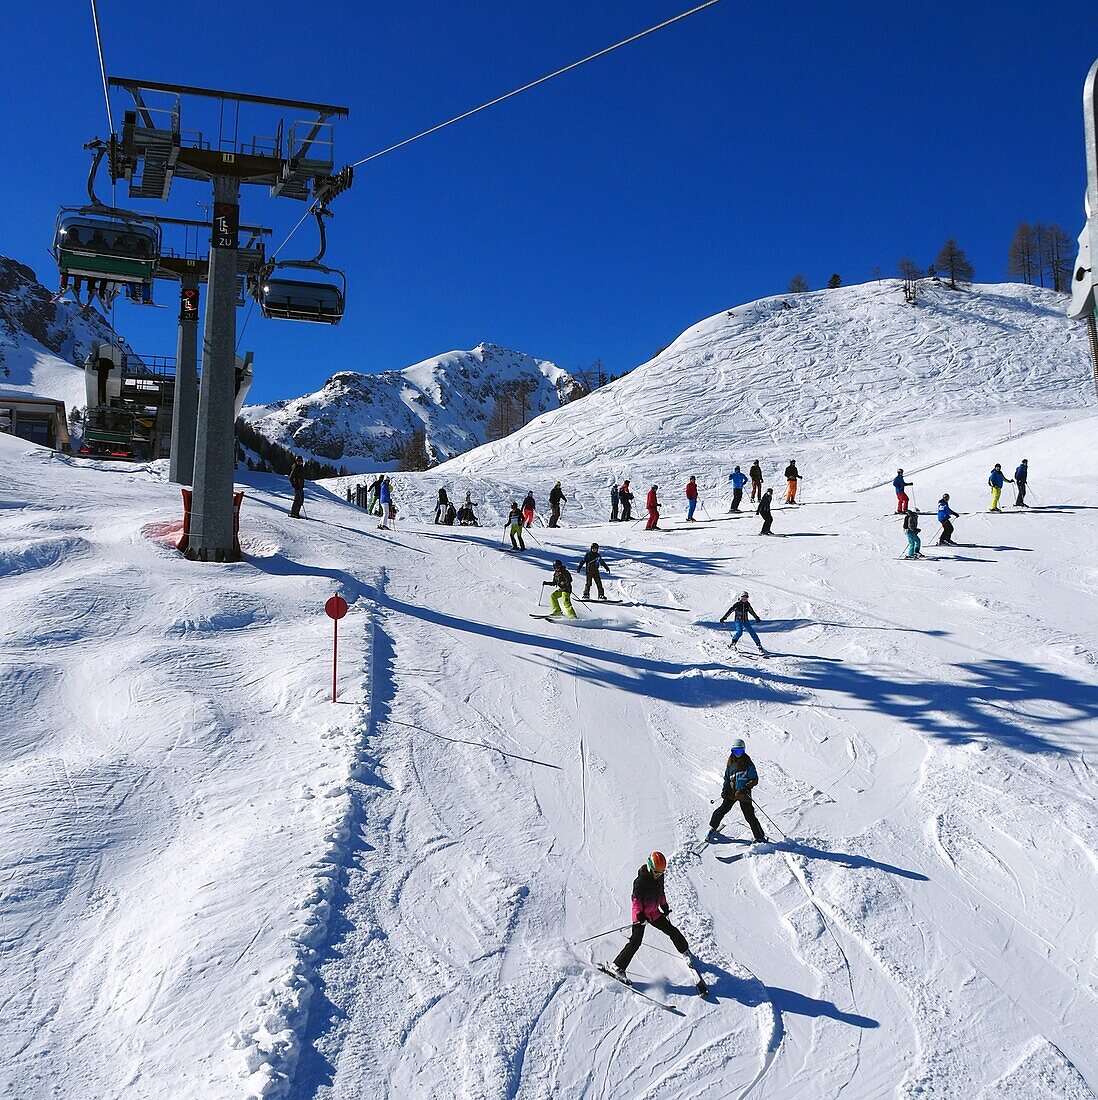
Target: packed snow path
(195,838)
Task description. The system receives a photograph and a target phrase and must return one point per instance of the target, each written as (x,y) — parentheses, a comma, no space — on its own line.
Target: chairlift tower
(153,151)
(192,272)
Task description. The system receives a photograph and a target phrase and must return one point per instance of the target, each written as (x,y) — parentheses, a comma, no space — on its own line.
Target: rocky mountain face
(458,400)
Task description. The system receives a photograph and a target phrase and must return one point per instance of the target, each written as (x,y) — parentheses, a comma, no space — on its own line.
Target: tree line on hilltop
(1040,254)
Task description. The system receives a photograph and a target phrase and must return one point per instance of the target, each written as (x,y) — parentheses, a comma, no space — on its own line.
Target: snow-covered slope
(43,343)
(849,381)
(215,883)
(363,420)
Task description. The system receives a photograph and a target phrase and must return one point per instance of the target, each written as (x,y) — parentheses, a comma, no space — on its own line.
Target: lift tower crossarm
(135,87)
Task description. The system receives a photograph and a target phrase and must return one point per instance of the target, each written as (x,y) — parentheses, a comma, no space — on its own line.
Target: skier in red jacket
(691,498)
(653,506)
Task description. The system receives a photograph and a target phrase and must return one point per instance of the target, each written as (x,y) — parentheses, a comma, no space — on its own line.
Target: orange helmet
(657,863)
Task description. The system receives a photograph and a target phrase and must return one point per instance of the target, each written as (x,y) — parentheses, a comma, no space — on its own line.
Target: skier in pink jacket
(649,907)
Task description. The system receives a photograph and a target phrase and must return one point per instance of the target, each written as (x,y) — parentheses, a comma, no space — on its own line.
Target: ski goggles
(738,752)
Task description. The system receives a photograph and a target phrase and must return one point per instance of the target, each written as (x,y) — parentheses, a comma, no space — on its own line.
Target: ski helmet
(899,471)
(657,863)
(558,562)
(743,595)
(738,747)
(594,546)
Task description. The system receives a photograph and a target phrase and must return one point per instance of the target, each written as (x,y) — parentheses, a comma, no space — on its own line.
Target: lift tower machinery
(295,162)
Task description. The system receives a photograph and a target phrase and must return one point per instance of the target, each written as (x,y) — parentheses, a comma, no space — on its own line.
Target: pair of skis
(699,985)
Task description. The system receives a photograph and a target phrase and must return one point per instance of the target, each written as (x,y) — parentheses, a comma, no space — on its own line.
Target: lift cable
(507,95)
(102,63)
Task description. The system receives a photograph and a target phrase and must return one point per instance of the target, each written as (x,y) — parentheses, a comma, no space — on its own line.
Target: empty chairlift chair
(303,292)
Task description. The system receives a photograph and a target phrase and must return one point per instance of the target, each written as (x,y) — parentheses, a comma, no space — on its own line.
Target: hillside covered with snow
(43,343)
(216,883)
(851,382)
(363,421)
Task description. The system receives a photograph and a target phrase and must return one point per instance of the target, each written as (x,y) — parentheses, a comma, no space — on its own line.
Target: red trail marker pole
(335,609)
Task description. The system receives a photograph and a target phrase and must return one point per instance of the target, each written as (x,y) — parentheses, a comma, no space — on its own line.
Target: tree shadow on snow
(974,701)
(672,681)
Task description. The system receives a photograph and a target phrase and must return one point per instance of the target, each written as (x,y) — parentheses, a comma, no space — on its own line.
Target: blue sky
(603,213)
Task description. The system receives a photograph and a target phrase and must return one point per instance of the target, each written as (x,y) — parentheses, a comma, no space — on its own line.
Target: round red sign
(336,607)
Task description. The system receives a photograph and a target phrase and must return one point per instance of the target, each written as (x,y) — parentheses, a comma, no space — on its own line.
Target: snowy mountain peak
(364,420)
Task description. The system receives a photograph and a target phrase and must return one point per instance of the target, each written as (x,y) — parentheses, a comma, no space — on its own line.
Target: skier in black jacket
(297,483)
(589,567)
(741,609)
(556,499)
(764,511)
(649,907)
(562,590)
(440,507)
(740,778)
(625,499)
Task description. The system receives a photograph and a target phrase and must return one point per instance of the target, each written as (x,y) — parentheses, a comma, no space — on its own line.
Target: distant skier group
(945,513)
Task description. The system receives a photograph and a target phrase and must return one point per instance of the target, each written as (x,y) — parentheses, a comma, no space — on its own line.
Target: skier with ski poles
(911,529)
(625,497)
(756,475)
(649,905)
(742,609)
(297,483)
(764,511)
(691,498)
(792,476)
(739,480)
(556,499)
(902,501)
(614,503)
(589,567)
(740,778)
(515,523)
(996,479)
(528,506)
(561,596)
(653,505)
(945,514)
(1021,476)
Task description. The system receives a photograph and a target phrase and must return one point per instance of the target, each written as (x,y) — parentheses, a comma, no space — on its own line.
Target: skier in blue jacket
(739,480)
(740,777)
(900,485)
(945,514)
(1021,476)
(996,480)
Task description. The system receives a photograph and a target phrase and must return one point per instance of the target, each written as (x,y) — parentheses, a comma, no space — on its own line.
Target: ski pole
(707,515)
(599,935)
(772,821)
(541,592)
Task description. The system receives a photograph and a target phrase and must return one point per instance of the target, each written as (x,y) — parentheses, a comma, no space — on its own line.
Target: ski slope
(217,883)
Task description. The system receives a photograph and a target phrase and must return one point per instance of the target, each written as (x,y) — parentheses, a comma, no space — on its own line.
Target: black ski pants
(737,496)
(596,580)
(299,500)
(1020,491)
(626,511)
(614,510)
(767,521)
(554,516)
(744,799)
(947,532)
(625,955)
